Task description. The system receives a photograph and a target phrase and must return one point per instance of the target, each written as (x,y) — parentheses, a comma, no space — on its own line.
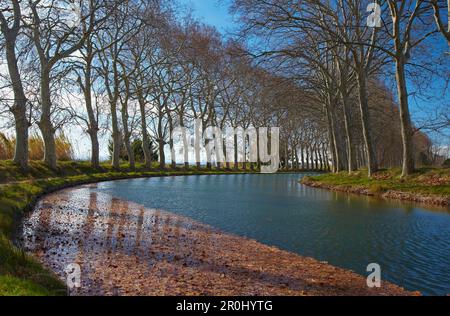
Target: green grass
(12,286)
(20,274)
(10,172)
(429,181)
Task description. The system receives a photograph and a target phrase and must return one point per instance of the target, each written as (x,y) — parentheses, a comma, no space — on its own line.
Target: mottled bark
(51,49)
(161,142)
(327,159)
(372,163)
(21,126)
(87,92)
(286,156)
(171,144)
(186,141)
(145,137)
(405,119)
(332,140)
(127,140)
(116,135)
(125,118)
(316,158)
(19,107)
(45,123)
(348,134)
(307,159)
(302,154)
(236,153)
(320,159)
(297,161)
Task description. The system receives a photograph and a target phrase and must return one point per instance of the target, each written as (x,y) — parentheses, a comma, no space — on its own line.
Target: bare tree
(54,40)
(10,28)
(86,81)
(405,18)
(112,42)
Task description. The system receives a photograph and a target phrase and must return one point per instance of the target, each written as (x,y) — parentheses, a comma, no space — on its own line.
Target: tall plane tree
(55,39)
(407,18)
(10,26)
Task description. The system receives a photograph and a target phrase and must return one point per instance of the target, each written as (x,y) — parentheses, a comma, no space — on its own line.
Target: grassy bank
(20,274)
(427,185)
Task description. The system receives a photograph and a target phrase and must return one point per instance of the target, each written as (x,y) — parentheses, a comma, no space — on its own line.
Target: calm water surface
(411,243)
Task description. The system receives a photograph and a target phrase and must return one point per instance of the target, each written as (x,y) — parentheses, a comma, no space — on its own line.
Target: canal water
(410,242)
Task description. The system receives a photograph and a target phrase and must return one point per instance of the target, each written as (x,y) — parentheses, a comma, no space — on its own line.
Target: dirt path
(125,249)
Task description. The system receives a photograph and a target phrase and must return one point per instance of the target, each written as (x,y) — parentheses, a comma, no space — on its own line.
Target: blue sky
(213,12)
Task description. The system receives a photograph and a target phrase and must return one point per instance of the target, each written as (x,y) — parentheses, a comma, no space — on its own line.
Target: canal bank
(427,186)
(20,273)
(23,275)
(124,248)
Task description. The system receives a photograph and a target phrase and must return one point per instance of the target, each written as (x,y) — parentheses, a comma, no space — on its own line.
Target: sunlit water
(409,242)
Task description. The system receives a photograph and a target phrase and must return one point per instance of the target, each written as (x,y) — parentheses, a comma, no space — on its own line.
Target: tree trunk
(286,155)
(145,138)
(293,158)
(95,155)
(372,163)
(319,152)
(302,154)
(171,145)
(20,105)
(405,119)
(339,144)
(348,135)
(307,158)
(209,155)
(236,153)
(332,137)
(93,124)
(45,124)
(48,136)
(161,143)
(326,158)
(117,142)
(258,164)
(297,161)
(127,134)
(244,157)
(316,158)
(21,122)
(162,155)
(131,159)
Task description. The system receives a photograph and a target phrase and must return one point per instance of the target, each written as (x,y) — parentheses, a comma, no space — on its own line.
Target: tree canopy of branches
(132,71)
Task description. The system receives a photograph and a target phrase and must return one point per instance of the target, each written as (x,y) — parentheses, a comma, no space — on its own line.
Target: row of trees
(138,70)
(338,50)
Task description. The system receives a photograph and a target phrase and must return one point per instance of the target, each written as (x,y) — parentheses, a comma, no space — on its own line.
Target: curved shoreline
(127,249)
(45,187)
(22,274)
(426,199)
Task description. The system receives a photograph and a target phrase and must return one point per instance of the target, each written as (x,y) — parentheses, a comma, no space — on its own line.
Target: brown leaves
(174,255)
